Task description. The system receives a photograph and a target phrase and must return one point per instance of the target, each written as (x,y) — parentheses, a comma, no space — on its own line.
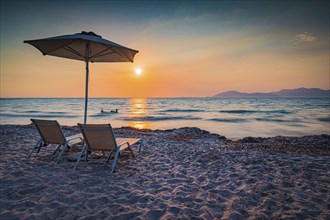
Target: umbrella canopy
(84,46)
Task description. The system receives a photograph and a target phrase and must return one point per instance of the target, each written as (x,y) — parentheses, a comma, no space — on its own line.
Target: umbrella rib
(70,49)
(122,55)
(99,54)
(62,45)
(104,54)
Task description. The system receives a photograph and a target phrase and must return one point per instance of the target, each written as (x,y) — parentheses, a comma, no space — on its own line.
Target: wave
(278,120)
(31,111)
(39,112)
(183,110)
(38,116)
(158,118)
(104,114)
(255,111)
(235,120)
(239,120)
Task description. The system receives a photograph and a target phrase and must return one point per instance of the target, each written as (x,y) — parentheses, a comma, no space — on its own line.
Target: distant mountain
(284,93)
(304,93)
(235,94)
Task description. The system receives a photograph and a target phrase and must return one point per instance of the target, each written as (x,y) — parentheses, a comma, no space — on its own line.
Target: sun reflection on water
(138,110)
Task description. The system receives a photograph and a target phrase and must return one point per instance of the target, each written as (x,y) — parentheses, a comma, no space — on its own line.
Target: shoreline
(180,174)
(132,130)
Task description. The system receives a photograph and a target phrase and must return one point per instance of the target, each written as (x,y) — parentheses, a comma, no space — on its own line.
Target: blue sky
(218,45)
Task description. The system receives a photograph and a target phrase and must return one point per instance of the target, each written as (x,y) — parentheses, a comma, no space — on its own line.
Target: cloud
(304,37)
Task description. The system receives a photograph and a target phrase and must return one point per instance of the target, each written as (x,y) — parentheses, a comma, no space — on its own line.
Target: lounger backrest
(98,136)
(50,131)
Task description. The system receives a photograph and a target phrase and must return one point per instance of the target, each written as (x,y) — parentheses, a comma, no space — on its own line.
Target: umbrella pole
(86,94)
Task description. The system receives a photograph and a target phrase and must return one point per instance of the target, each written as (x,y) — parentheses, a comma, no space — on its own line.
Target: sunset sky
(186,48)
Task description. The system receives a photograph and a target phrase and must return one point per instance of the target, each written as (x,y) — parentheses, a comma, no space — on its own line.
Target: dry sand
(180,174)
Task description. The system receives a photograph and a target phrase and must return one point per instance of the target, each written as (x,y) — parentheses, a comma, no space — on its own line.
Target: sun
(138,71)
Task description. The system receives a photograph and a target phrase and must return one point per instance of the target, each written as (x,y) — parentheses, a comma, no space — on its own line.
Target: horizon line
(159,97)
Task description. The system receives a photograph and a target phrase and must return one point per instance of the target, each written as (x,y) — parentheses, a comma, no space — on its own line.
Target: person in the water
(112,111)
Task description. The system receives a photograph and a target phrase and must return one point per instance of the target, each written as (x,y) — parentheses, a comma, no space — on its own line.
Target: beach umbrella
(84,46)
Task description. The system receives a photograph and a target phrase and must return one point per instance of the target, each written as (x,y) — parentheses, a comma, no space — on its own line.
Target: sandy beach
(182,173)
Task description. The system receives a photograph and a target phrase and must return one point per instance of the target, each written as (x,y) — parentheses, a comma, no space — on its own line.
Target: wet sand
(182,173)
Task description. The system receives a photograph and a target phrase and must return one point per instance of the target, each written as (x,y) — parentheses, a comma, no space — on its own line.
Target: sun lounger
(100,137)
(51,134)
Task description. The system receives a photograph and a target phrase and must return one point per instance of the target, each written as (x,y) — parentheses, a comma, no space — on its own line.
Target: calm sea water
(233,118)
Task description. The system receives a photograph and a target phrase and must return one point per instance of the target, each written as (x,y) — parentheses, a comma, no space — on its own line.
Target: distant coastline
(284,93)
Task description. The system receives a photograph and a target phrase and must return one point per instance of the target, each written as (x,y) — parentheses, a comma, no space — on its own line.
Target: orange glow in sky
(187,49)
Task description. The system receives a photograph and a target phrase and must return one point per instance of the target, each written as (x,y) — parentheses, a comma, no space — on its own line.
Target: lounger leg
(140,145)
(86,154)
(115,161)
(129,147)
(107,160)
(38,146)
(62,151)
(83,150)
(57,149)
(31,152)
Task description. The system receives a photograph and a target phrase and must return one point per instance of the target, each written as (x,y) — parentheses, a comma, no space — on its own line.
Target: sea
(233,118)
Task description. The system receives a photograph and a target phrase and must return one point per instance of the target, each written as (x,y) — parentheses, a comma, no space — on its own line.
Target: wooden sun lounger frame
(115,145)
(53,136)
